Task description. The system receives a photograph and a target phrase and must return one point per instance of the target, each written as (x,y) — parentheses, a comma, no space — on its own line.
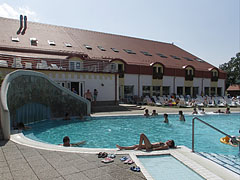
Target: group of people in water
(154,113)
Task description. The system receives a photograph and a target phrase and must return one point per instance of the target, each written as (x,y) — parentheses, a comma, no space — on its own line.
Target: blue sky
(209,29)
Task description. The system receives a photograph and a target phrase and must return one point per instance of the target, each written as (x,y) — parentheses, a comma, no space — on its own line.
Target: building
(119,67)
(234,90)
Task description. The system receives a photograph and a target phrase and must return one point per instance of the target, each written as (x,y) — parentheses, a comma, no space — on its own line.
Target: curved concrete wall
(29,96)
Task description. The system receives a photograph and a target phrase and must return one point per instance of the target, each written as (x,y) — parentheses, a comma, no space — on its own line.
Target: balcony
(188,77)
(214,78)
(157,75)
(121,73)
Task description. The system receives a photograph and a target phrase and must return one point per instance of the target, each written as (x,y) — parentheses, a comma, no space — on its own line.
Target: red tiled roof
(234,87)
(77,38)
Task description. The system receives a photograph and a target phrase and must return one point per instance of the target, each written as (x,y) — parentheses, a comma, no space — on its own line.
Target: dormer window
(188,59)
(101,48)
(175,57)
(115,50)
(161,55)
(189,73)
(15,39)
(34,41)
(51,43)
(214,75)
(129,51)
(88,47)
(146,53)
(68,45)
(157,71)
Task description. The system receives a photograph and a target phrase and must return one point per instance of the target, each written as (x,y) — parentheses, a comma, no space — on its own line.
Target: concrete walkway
(20,162)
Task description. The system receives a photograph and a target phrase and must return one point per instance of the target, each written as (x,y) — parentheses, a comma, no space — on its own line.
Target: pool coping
(202,166)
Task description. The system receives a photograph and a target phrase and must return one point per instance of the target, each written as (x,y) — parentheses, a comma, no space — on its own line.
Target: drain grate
(228,161)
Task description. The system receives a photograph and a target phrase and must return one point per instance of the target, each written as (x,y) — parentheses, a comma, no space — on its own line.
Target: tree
(232,68)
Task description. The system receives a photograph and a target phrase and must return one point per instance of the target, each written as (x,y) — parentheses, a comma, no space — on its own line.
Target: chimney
(21,24)
(25,25)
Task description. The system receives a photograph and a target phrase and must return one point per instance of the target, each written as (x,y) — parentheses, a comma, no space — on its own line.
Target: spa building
(119,67)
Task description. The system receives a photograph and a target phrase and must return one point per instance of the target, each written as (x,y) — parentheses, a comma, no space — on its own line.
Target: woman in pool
(148,145)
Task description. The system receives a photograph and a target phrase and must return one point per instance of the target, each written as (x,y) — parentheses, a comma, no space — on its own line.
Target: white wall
(131,80)
(206,83)
(145,80)
(179,81)
(168,81)
(93,81)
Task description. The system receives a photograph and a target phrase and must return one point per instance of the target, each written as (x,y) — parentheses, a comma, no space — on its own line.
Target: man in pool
(148,145)
(66,142)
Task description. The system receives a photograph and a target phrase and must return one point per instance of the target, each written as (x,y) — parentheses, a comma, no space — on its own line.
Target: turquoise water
(167,167)
(106,132)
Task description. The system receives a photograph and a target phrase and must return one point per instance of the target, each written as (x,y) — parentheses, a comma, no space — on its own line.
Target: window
(179,90)
(15,39)
(187,90)
(88,47)
(129,51)
(101,48)
(199,60)
(189,59)
(154,70)
(166,90)
(74,65)
(156,90)
(120,71)
(175,57)
(213,91)
(195,91)
(128,91)
(51,43)
(68,45)
(146,91)
(71,66)
(161,55)
(219,91)
(159,69)
(78,65)
(34,41)
(113,67)
(146,53)
(206,91)
(115,50)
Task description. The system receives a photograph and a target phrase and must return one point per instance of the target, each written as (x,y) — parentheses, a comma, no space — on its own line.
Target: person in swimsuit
(66,142)
(148,145)
(88,95)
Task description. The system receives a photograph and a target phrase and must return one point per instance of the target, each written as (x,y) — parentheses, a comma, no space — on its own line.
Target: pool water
(106,132)
(167,167)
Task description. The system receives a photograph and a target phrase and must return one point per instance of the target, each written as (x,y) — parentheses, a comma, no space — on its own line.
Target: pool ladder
(207,125)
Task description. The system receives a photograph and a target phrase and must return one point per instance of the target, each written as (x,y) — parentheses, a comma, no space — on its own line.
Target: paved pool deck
(23,159)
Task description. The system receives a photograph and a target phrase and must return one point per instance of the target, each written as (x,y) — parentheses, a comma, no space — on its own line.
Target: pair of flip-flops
(135,169)
(111,156)
(124,158)
(127,160)
(107,160)
(102,154)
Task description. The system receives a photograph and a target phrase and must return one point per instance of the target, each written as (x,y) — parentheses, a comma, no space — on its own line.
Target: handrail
(207,125)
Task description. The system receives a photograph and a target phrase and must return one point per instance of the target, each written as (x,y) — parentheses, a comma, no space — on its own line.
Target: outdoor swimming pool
(106,132)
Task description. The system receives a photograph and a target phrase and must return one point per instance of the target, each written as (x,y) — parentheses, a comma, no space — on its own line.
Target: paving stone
(85,166)
(6,176)
(47,174)
(93,173)
(76,176)
(104,176)
(41,168)
(68,170)
(18,167)
(24,175)
(4,170)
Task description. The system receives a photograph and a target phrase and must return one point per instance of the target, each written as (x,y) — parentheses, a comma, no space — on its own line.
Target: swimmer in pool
(148,145)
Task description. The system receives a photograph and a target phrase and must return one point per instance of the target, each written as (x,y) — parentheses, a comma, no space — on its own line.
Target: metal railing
(207,125)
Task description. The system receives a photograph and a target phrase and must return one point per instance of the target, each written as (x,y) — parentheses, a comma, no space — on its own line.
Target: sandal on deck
(107,160)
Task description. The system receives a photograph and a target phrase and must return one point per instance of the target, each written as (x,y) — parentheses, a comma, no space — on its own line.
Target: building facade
(119,67)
